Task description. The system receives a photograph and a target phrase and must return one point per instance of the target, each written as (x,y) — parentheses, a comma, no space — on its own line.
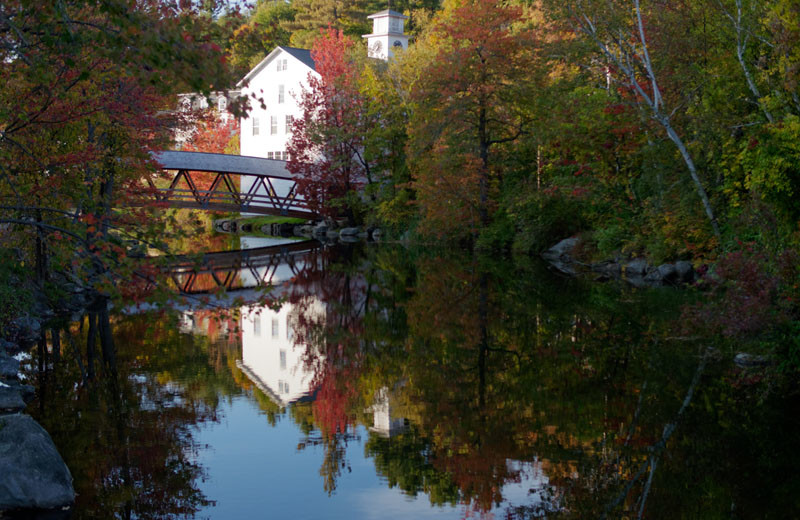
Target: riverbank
(35,480)
(283,227)
(34,475)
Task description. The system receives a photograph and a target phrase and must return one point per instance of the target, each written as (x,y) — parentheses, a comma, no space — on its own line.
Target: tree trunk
(701,191)
(55,334)
(483,140)
(90,345)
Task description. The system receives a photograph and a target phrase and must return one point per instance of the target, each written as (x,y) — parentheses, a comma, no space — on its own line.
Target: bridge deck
(220,162)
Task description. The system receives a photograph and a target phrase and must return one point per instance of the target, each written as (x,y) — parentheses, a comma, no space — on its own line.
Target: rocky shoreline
(323,231)
(33,476)
(634,271)
(34,480)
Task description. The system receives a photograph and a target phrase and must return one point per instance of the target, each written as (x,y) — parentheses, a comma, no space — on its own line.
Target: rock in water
(350,231)
(11,400)
(8,366)
(560,255)
(685,271)
(33,473)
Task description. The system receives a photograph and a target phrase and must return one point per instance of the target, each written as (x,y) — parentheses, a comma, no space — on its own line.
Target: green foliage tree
(264,30)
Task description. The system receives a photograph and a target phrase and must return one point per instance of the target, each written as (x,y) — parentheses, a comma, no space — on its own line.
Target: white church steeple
(387,34)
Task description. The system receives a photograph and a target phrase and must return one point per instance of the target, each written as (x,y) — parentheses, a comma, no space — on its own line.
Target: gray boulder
(562,250)
(27,330)
(635,268)
(349,232)
(560,256)
(320,229)
(33,473)
(304,231)
(668,274)
(744,360)
(8,366)
(11,400)
(26,391)
(685,271)
(8,346)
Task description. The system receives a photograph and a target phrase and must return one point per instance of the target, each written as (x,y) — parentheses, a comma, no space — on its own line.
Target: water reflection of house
(213,324)
(270,357)
(385,420)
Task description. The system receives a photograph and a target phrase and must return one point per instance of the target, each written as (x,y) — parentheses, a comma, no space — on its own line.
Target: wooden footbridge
(235,183)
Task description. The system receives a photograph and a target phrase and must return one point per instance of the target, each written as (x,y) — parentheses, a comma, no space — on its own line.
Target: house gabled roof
(304,55)
(301,55)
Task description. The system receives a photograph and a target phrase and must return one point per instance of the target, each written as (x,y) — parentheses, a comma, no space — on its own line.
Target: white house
(273,87)
(192,103)
(279,79)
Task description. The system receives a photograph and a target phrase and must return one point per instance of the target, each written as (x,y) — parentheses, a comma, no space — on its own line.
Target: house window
(270,155)
(222,104)
(280,94)
(274,327)
(273,125)
(280,386)
(289,329)
(255,126)
(283,359)
(257,326)
(281,64)
(289,121)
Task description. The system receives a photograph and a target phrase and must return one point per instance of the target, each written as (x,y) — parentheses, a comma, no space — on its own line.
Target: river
(382,382)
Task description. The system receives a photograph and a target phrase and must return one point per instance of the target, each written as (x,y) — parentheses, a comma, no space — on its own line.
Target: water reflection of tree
(496,363)
(126,433)
(329,303)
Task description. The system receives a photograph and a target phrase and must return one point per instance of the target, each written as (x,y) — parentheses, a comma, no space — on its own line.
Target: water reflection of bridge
(243,269)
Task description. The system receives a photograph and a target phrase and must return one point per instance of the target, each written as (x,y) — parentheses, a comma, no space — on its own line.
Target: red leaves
(326,141)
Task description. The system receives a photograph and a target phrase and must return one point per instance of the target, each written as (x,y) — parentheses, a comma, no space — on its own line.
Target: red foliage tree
(213,133)
(326,150)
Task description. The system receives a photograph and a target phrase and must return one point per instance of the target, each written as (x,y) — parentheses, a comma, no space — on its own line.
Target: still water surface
(382,383)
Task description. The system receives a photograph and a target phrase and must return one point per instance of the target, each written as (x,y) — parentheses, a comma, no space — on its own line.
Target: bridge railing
(263,197)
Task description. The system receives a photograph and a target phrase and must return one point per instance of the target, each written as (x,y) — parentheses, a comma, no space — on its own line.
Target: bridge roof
(219,162)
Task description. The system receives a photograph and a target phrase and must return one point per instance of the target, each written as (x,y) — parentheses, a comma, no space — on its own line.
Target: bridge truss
(235,184)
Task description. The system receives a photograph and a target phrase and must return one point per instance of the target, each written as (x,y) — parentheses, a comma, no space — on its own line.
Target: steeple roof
(388,12)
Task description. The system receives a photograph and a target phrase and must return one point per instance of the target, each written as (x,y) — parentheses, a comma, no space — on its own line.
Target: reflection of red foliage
(332,336)
(219,325)
(334,394)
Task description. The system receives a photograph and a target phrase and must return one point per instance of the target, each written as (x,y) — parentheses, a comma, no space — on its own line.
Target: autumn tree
(326,151)
(475,66)
(86,88)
